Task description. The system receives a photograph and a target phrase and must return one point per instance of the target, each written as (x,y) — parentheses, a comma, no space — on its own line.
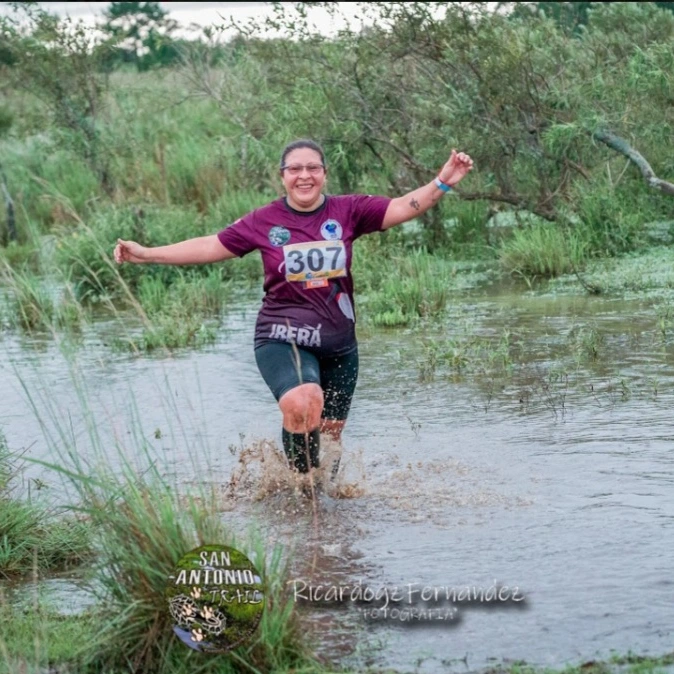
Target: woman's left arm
(415,203)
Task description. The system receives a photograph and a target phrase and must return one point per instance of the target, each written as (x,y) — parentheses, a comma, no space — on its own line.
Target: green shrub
(399,290)
(542,250)
(612,222)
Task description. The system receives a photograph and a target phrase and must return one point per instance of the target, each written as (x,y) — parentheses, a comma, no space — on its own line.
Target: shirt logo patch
(279,236)
(331,230)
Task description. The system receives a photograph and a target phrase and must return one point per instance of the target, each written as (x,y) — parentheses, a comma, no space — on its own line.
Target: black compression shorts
(284,366)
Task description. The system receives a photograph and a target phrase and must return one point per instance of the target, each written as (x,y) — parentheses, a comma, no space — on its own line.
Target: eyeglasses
(296,169)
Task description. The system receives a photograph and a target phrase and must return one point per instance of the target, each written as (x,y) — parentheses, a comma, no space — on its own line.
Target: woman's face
(303,178)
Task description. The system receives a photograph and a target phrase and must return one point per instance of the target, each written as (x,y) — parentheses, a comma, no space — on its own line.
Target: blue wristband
(442,186)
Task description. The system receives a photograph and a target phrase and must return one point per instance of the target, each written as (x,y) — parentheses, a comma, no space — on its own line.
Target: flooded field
(540,460)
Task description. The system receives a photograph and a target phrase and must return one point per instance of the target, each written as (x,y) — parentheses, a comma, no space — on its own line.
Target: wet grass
(542,251)
(415,287)
(20,256)
(409,287)
(467,353)
(33,539)
(502,355)
(643,274)
(618,664)
(35,305)
(142,526)
(168,332)
(180,315)
(505,368)
(33,639)
(588,343)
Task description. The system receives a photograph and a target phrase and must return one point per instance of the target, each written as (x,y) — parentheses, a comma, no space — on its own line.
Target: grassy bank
(30,642)
(618,664)
(139,526)
(33,538)
(647,273)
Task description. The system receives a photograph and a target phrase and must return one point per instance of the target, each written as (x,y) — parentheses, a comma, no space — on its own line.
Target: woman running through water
(305,339)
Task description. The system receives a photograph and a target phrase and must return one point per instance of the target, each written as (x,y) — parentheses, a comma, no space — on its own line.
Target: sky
(200,13)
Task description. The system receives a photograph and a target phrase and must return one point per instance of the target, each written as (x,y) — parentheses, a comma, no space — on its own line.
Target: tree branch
(623,147)
(514,200)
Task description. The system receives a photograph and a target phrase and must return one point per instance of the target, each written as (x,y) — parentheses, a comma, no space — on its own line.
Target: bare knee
(301,408)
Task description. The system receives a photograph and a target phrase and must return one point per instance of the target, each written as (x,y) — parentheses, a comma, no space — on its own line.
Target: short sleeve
(368,212)
(239,237)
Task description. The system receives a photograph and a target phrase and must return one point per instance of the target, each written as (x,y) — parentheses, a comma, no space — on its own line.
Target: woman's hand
(130,251)
(458,166)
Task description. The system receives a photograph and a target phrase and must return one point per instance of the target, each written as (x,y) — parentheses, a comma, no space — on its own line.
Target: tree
(142,32)
(567,15)
(526,98)
(59,63)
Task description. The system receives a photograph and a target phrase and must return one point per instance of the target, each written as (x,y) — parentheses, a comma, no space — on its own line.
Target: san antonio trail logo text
(216,598)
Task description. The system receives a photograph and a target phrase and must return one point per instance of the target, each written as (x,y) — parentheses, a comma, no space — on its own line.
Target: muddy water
(554,476)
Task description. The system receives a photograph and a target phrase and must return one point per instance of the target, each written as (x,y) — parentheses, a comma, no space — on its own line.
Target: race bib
(315,260)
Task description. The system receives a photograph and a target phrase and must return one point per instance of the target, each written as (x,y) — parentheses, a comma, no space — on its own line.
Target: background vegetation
(134,133)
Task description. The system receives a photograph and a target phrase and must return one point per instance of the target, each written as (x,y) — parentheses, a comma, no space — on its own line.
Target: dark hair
(297,144)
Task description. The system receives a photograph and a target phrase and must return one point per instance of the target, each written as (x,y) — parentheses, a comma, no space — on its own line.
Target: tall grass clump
(170,331)
(180,315)
(19,256)
(33,641)
(400,290)
(143,527)
(542,250)
(33,539)
(84,252)
(36,304)
(469,233)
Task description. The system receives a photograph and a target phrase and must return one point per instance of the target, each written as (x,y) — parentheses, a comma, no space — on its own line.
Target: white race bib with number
(315,260)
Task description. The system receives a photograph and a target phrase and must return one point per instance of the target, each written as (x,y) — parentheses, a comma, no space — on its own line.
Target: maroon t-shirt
(307,268)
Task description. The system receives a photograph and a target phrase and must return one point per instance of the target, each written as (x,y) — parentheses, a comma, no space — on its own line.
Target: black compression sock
(302,446)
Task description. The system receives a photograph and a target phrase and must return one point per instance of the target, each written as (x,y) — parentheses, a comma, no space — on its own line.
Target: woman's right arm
(201,250)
